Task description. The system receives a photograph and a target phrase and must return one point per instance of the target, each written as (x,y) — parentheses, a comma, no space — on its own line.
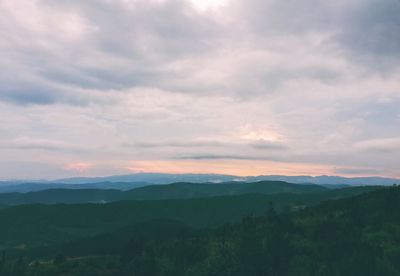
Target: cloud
(370,32)
(365,31)
(231,157)
(174,144)
(108,82)
(258,144)
(27,143)
(267,145)
(80,167)
(358,171)
(384,145)
(104,45)
(27,170)
(254,48)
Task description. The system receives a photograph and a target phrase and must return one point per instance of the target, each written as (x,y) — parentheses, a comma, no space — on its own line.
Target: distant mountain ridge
(131,181)
(331,180)
(161,178)
(155,178)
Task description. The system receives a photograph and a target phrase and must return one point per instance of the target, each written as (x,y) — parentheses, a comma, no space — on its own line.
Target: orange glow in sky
(232,167)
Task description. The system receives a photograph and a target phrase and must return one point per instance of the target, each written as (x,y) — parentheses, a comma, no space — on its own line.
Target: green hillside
(354,236)
(112,243)
(151,229)
(194,190)
(37,225)
(155,192)
(46,224)
(67,196)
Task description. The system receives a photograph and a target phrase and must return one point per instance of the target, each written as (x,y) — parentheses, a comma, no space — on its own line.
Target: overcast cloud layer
(244,87)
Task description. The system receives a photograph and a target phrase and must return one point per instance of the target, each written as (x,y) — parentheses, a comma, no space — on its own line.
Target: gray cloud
(266,145)
(222,157)
(101,45)
(365,31)
(139,40)
(259,144)
(293,17)
(384,145)
(105,45)
(26,143)
(174,144)
(370,32)
(351,171)
(28,96)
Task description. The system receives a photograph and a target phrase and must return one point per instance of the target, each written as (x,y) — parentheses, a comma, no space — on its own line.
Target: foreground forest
(353,236)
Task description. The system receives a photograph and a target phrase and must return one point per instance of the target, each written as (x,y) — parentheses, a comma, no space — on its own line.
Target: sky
(243,87)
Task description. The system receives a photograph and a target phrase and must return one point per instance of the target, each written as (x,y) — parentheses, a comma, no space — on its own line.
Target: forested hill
(193,190)
(159,192)
(356,236)
(353,236)
(155,192)
(35,225)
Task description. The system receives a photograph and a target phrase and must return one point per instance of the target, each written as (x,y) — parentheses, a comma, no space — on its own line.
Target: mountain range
(161,178)
(176,191)
(181,190)
(132,181)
